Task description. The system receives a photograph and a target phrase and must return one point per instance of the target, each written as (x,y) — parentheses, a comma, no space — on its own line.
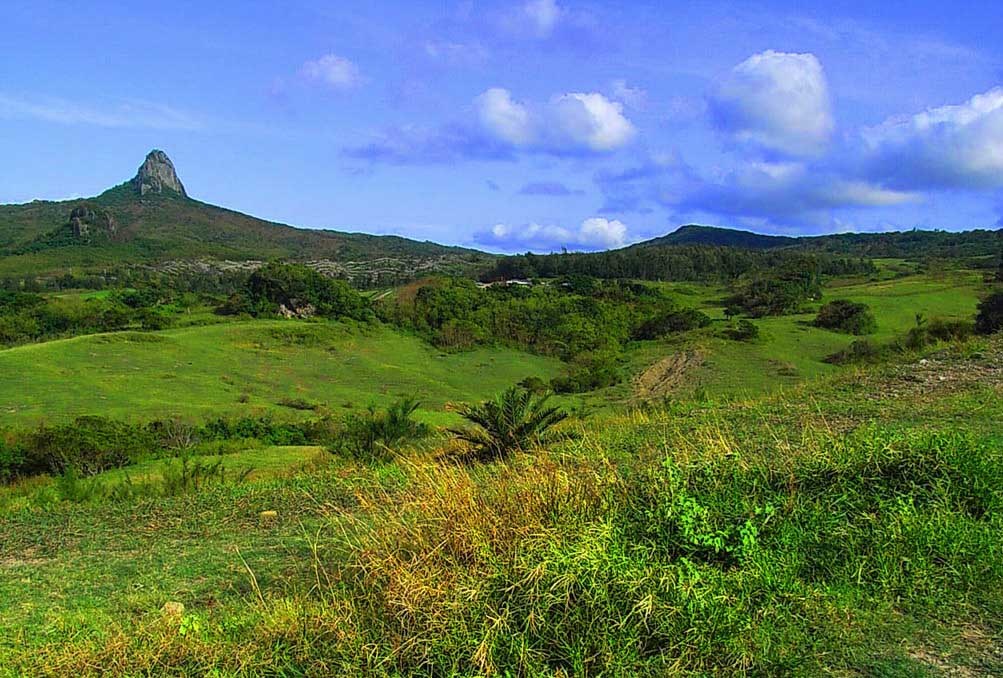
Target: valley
(222,454)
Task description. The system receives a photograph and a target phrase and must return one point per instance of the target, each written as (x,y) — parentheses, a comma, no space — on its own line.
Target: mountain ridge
(150,220)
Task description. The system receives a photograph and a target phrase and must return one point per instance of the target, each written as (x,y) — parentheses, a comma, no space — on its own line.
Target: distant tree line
(584,321)
(687,263)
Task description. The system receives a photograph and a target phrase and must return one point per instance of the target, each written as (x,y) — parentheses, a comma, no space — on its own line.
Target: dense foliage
(27,317)
(92,444)
(846,316)
(376,433)
(512,422)
(779,293)
(690,263)
(296,290)
(582,320)
(990,317)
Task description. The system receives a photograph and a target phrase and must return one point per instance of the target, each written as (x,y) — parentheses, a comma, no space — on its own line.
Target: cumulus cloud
(776,101)
(334,71)
(503,118)
(634,188)
(591,121)
(595,233)
(948,147)
(574,124)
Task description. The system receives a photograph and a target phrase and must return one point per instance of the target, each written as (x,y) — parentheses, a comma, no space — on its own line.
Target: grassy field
(246,368)
(794,519)
(850,527)
(790,350)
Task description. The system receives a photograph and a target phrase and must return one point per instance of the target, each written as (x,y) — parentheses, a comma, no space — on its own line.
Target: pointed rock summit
(157,175)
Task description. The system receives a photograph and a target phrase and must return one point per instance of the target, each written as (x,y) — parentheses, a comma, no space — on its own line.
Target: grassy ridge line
(790,349)
(201,371)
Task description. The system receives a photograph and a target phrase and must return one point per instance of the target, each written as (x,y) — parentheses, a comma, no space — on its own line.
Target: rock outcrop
(157,175)
(87,222)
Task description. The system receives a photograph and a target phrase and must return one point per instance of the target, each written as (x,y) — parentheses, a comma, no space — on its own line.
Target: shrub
(513,421)
(14,460)
(990,317)
(779,294)
(300,290)
(681,320)
(846,316)
(743,330)
(256,428)
(939,329)
(376,432)
(588,371)
(534,384)
(861,351)
(88,446)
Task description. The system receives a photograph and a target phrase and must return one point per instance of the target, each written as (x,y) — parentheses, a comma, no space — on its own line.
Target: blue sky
(521,124)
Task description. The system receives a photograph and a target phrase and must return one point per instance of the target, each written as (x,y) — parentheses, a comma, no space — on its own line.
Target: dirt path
(666,375)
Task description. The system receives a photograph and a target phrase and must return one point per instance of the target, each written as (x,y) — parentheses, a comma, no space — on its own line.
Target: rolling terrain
(276,474)
(246,368)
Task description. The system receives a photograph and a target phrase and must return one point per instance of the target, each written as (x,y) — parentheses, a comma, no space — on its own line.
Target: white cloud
(568,123)
(777,101)
(592,234)
(634,97)
(542,15)
(947,147)
(503,118)
(332,70)
(592,121)
(603,232)
(125,114)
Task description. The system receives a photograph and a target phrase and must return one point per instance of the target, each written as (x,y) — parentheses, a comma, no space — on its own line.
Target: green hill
(893,244)
(694,234)
(150,220)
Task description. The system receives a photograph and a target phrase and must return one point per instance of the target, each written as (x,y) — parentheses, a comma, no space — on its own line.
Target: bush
(299,290)
(588,371)
(938,329)
(253,428)
(846,316)
(780,294)
(88,446)
(376,432)
(990,317)
(743,330)
(534,384)
(14,460)
(512,422)
(861,351)
(681,320)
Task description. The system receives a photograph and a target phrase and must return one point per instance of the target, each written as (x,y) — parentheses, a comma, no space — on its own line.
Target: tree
(511,422)
(990,317)
(846,316)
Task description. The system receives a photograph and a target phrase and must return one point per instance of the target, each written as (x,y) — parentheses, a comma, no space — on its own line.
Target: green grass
(202,371)
(835,521)
(851,527)
(790,350)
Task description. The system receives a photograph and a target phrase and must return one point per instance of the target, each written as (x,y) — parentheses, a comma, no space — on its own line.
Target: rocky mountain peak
(157,175)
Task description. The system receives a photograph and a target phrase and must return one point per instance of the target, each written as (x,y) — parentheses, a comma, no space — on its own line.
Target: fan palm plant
(513,421)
